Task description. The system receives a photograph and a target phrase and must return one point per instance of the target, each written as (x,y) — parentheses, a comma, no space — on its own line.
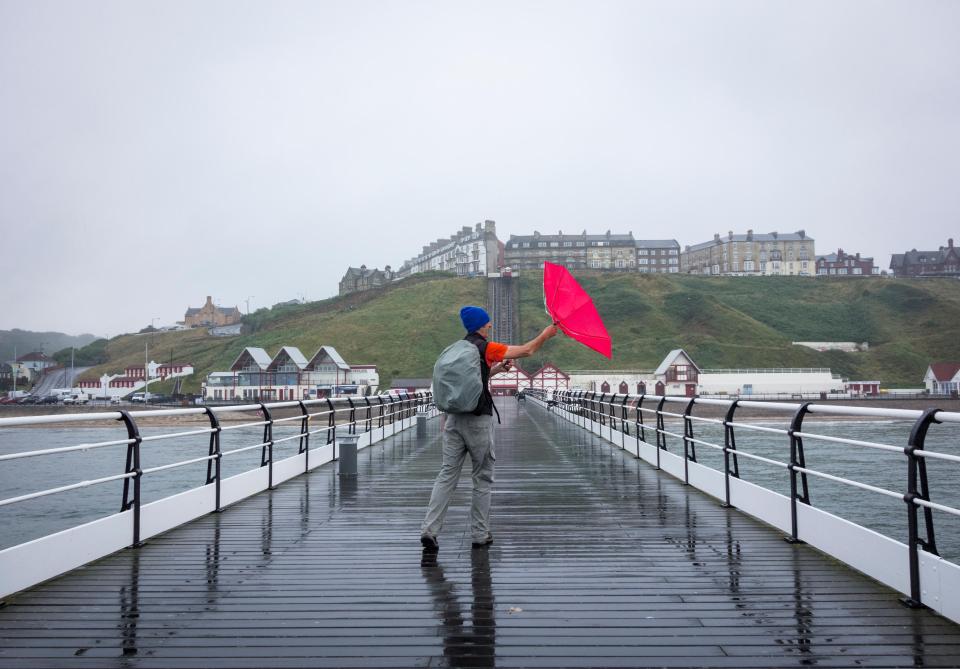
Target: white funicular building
(678,374)
(787,381)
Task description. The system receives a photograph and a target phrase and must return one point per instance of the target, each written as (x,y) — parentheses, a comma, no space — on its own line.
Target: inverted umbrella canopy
(572,309)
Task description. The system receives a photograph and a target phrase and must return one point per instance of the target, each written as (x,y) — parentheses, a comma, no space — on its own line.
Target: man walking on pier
(472,433)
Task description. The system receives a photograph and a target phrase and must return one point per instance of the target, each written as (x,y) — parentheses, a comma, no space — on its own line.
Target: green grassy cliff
(721,322)
(751,322)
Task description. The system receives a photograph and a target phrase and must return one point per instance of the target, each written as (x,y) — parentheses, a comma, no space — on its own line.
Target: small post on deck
(422,413)
(347,441)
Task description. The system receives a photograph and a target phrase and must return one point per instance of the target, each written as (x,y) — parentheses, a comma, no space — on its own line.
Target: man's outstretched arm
(532,346)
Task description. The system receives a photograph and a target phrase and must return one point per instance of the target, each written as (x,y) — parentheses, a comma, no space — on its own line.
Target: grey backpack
(457,382)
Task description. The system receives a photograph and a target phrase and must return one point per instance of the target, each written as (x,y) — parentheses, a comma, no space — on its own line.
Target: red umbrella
(572,309)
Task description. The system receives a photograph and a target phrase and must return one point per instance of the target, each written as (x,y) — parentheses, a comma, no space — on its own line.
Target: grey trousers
(463,434)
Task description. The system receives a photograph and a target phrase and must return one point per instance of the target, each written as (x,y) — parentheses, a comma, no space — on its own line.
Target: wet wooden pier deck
(599,561)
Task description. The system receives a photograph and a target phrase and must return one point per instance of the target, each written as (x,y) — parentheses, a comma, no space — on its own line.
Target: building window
(581,243)
(542,245)
(568,244)
(642,252)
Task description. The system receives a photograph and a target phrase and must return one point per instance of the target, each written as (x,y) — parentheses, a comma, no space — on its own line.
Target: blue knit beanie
(473,318)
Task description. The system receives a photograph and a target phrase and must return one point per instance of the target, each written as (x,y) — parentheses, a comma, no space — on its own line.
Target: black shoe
(483,544)
(430,543)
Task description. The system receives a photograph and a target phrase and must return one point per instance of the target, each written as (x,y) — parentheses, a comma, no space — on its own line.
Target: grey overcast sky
(153,153)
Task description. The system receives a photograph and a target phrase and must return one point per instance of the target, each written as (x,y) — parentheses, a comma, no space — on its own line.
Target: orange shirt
(495,352)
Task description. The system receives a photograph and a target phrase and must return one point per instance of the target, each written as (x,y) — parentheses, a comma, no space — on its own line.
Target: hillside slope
(721,322)
(751,322)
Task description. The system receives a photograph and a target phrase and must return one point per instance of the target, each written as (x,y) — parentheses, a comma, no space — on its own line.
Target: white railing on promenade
(371,418)
(913,567)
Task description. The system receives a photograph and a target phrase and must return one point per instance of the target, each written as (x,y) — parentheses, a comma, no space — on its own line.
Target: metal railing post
(332,427)
(624,424)
(266,452)
(352,424)
(661,438)
(132,466)
(797,460)
(641,430)
(305,438)
(729,445)
(601,411)
(368,421)
(213,466)
(917,469)
(689,448)
(379,411)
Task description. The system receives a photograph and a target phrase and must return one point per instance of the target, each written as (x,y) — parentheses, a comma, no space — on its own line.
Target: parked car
(159,399)
(136,397)
(75,399)
(29,399)
(49,399)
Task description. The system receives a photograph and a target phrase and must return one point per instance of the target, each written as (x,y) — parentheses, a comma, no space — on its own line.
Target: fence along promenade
(372,418)
(913,567)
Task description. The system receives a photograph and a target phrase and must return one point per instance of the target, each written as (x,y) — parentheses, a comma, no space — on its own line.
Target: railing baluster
(368,424)
(729,446)
(331,426)
(132,466)
(689,448)
(305,439)
(266,452)
(213,466)
(917,468)
(641,430)
(797,460)
(352,425)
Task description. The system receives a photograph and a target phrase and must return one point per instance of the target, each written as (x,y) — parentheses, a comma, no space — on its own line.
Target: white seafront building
(289,375)
(679,375)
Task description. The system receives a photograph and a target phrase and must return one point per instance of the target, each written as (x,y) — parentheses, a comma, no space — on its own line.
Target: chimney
(536,234)
(802,233)
(749,235)
(775,234)
(209,301)
(608,234)
(730,235)
(858,256)
(560,232)
(950,243)
(716,236)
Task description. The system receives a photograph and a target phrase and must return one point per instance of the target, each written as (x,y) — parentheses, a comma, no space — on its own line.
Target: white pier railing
(638,424)
(371,418)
